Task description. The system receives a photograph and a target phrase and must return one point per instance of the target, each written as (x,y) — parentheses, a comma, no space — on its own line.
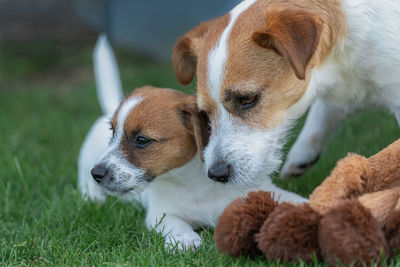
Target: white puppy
(153,155)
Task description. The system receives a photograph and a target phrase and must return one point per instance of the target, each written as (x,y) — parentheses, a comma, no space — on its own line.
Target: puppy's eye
(248,101)
(142,141)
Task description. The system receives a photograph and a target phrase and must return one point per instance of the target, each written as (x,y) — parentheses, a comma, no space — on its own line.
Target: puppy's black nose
(98,173)
(220,172)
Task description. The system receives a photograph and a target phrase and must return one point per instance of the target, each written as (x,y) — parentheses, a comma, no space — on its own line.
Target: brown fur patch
(185,61)
(292,34)
(349,233)
(158,116)
(198,123)
(188,47)
(240,221)
(202,130)
(290,233)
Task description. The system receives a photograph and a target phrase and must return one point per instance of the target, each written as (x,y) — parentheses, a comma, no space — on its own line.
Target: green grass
(48,103)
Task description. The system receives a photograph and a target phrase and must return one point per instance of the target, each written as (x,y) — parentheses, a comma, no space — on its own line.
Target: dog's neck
(345,30)
(329,78)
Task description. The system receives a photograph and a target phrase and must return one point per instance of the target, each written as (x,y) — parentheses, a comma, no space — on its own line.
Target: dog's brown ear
(198,123)
(202,130)
(185,60)
(185,55)
(293,34)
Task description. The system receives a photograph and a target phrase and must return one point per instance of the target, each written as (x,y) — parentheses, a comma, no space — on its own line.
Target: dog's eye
(142,141)
(248,101)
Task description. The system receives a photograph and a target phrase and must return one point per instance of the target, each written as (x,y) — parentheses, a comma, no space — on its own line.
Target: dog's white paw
(300,159)
(189,240)
(92,191)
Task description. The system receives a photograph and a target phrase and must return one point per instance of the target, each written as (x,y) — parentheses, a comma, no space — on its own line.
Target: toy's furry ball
(392,230)
(290,233)
(348,233)
(240,221)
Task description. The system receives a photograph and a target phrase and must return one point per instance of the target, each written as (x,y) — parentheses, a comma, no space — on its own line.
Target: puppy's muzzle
(220,172)
(99,172)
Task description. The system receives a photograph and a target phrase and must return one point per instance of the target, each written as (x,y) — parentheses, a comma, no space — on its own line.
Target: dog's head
(154,130)
(253,66)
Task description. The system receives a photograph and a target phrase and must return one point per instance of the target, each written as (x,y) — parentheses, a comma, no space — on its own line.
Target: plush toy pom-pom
(290,233)
(240,221)
(392,230)
(348,233)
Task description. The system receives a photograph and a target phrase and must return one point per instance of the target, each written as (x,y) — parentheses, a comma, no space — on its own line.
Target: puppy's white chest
(198,201)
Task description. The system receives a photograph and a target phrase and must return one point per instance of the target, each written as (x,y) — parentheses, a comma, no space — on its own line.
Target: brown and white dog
(263,64)
(152,156)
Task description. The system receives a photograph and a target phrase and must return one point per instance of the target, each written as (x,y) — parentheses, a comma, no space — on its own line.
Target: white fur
(253,153)
(363,71)
(94,145)
(105,63)
(187,199)
(181,200)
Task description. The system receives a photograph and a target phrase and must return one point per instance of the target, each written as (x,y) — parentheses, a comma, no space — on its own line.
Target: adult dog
(263,64)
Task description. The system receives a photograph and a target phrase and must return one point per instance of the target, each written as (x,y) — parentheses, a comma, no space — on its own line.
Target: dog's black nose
(220,172)
(98,173)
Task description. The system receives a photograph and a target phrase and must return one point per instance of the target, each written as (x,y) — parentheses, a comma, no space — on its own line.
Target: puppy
(153,157)
(263,64)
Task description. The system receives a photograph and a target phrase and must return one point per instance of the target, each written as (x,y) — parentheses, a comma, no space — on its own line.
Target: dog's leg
(322,120)
(177,232)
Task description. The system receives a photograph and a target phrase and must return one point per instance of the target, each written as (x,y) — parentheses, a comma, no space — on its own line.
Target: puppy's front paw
(188,240)
(91,191)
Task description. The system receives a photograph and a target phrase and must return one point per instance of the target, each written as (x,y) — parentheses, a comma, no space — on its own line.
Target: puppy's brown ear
(202,130)
(293,34)
(185,55)
(197,122)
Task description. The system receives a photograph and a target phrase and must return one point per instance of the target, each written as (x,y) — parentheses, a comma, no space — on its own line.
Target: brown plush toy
(352,217)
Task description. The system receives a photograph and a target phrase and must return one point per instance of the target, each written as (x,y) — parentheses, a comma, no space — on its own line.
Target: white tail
(108,82)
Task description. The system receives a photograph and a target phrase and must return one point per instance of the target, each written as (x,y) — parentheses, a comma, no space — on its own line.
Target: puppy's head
(253,66)
(154,131)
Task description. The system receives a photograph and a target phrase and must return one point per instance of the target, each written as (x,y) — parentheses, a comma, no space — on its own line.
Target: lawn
(47,105)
